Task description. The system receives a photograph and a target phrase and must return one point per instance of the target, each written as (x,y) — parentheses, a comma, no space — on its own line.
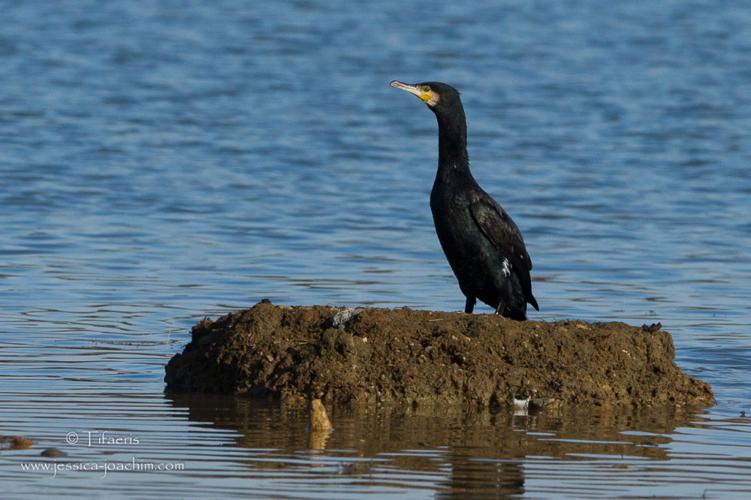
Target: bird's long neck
(452,146)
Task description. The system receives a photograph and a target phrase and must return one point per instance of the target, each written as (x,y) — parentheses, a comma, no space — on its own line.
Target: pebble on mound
(420,358)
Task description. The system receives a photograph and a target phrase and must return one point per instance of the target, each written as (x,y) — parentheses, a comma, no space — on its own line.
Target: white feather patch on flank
(506,268)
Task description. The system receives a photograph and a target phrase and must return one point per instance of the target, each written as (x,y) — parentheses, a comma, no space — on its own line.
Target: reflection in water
(456,453)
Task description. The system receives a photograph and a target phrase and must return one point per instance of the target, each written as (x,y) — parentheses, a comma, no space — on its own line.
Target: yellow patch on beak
(426,96)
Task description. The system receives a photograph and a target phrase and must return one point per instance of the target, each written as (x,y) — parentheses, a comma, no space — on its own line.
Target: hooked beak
(425,94)
(405,86)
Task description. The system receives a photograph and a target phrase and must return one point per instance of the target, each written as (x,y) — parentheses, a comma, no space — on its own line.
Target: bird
(482,244)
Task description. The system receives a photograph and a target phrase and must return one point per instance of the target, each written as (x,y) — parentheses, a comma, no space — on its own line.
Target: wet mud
(425,358)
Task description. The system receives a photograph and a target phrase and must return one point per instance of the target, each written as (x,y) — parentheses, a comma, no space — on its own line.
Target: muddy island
(425,358)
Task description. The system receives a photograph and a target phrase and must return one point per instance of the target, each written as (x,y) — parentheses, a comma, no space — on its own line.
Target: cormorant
(482,244)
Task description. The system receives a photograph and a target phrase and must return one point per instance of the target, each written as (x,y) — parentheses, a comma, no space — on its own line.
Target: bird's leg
(469,306)
(499,309)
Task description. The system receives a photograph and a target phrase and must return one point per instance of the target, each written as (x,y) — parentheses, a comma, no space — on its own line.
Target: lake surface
(163,161)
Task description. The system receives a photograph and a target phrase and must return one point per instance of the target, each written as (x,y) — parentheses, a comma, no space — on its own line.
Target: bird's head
(441,98)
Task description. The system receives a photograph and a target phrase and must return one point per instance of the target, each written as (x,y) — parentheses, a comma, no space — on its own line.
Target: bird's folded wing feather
(498,227)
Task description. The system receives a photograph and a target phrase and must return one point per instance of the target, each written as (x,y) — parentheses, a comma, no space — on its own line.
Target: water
(162,161)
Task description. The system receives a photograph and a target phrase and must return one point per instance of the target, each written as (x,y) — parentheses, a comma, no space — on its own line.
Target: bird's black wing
(501,230)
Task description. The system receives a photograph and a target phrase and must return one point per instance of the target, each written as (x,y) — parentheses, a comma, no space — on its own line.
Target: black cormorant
(482,244)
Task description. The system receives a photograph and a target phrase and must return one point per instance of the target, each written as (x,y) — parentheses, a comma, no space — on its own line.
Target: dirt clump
(15,442)
(420,358)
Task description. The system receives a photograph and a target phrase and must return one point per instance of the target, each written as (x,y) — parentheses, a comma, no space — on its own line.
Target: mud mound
(424,358)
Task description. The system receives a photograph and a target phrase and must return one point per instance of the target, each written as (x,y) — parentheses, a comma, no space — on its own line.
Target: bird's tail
(531,299)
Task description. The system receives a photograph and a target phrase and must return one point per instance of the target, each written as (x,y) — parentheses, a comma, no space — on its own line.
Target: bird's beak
(426,96)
